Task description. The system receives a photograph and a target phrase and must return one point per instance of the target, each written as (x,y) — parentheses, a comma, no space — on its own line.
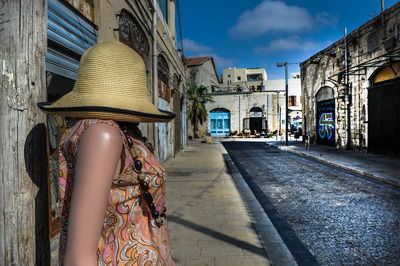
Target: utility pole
(277,115)
(24,205)
(347,90)
(285,64)
(287,103)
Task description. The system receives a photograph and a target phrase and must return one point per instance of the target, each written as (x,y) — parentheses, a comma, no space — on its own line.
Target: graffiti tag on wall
(326,125)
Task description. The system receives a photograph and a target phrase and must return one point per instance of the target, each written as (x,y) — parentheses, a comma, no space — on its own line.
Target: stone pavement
(213,217)
(382,168)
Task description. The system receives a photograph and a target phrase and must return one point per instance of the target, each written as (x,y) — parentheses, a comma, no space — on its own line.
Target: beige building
(40,46)
(251,79)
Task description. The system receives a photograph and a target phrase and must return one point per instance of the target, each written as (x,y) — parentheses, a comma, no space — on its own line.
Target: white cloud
(288,44)
(191,46)
(272,16)
(194,49)
(324,19)
(222,62)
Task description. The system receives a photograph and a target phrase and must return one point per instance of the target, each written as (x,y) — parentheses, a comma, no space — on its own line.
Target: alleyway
(340,217)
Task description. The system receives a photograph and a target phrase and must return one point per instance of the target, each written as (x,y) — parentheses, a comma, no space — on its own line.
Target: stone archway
(384,110)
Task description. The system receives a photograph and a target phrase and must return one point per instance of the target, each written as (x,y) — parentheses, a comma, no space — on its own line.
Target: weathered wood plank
(23,163)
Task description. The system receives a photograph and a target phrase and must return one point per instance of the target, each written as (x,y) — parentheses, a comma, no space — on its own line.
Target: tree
(198,97)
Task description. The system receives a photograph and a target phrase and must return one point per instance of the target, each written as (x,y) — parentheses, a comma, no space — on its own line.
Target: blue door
(220,123)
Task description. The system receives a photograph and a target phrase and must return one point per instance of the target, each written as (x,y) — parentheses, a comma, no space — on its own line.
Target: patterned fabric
(129,235)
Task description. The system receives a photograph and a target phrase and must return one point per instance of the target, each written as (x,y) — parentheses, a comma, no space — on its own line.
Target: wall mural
(326,122)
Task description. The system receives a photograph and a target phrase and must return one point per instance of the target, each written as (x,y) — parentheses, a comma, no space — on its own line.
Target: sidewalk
(382,168)
(213,217)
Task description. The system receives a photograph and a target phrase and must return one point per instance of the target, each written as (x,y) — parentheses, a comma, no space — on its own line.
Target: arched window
(132,34)
(325,93)
(256,112)
(164,90)
(387,73)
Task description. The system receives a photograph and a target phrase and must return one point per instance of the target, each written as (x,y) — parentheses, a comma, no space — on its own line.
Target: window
(254,77)
(238,78)
(132,34)
(229,76)
(163,78)
(292,100)
(163,4)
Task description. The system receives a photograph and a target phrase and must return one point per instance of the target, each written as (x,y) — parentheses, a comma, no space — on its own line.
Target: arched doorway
(220,122)
(384,110)
(325,101)
(255,120)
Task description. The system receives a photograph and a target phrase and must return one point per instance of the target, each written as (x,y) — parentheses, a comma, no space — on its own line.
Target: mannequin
(112,188)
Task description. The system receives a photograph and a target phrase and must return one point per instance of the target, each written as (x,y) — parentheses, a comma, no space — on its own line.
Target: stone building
(236,108)
(41,43)
(245,99)
(356,106)
(202,72)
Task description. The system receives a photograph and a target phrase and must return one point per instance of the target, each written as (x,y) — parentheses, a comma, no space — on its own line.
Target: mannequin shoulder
(102,136)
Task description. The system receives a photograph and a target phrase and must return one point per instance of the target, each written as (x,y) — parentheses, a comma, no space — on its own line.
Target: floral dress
(129,235)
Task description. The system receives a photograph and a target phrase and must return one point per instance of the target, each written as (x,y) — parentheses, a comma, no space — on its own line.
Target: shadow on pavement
(301,254)
(239,243)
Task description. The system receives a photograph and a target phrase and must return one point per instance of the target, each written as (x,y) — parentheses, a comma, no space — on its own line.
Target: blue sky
(259,33)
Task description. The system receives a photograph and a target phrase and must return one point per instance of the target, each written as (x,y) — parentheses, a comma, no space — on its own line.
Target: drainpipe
(347,96)
(155,74)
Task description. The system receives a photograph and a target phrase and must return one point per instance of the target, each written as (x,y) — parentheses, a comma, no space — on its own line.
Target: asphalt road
(339,217)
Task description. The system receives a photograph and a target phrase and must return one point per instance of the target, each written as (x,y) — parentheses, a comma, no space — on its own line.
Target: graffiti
(326,126)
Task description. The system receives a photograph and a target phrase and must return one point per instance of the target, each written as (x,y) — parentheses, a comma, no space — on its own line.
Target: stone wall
(202,75)
(239,105)
(369,47)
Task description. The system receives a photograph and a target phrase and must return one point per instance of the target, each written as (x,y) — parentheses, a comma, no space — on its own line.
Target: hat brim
(107,113)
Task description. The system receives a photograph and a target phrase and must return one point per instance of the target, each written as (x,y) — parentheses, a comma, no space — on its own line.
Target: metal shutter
(69,35)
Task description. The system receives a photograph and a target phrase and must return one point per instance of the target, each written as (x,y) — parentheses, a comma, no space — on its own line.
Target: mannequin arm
(97,162)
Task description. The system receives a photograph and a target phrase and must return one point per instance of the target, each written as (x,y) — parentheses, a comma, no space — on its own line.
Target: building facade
(355,105)
(250,79)
(236,108)
(201,71)
(52,36)
(244,100)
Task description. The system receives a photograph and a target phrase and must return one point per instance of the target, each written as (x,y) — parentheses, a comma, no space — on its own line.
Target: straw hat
(111,84)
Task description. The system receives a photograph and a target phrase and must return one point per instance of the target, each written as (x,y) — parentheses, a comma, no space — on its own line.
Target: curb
(355,171)
(276,250)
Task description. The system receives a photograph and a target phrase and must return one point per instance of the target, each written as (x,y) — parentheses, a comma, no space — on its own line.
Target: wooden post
(24,236)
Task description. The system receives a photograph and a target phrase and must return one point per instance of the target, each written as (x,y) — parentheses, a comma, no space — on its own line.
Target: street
(339,217)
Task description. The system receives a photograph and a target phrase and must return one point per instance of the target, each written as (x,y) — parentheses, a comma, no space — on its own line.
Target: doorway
(220,122)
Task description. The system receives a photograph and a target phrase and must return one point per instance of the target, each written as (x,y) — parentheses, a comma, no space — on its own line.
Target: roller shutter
(69,35)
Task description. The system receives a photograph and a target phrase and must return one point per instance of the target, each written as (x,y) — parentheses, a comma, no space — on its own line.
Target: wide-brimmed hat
(111,84)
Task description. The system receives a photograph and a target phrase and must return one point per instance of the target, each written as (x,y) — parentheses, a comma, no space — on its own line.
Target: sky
(260,33)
